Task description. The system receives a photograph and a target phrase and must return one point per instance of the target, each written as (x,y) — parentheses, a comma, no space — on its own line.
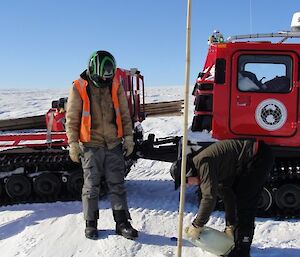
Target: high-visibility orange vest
(85,127)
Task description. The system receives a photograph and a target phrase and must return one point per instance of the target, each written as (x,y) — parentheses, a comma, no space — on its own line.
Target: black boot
(123,226)
(91,231)
(126,230)
(239,252)
(243,240)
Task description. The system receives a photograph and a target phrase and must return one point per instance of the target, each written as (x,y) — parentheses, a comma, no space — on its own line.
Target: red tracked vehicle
(249,88)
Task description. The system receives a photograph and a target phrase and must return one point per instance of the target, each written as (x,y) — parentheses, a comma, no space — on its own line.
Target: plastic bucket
(214,241)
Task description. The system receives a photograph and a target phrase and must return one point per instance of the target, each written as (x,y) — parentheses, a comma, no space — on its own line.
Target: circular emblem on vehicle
(271,114)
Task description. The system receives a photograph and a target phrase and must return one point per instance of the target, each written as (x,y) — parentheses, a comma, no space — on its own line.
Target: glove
(229,231)
(128,145)
(193,232)
(75,151)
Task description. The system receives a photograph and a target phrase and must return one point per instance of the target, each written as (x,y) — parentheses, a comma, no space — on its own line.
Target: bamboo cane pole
(185,125)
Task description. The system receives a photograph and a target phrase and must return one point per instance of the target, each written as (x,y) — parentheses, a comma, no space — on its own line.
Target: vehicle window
(265,73)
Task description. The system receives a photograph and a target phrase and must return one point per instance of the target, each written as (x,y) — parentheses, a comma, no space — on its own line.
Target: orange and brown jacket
(100,118)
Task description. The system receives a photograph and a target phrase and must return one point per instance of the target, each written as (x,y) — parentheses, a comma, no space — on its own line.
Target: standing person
(99,130)
(236,169)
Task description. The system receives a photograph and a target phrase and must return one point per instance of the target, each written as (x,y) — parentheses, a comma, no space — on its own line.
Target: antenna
(250,15)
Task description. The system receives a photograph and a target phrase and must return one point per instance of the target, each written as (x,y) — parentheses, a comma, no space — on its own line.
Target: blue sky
(46,44)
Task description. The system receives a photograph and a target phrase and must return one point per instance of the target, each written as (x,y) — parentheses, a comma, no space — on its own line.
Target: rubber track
(57,163)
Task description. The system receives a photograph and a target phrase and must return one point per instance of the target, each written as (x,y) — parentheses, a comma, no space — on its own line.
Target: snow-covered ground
(56,229)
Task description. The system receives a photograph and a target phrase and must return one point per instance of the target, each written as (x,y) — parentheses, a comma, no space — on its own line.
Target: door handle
(243,100)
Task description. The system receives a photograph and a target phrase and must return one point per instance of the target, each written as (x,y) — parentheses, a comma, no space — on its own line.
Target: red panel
(34,139)
(234,111)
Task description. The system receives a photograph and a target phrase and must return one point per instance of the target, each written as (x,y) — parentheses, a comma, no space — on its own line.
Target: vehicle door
(263,99)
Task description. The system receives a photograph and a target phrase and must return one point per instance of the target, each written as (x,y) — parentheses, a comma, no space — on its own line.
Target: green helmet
(101,68)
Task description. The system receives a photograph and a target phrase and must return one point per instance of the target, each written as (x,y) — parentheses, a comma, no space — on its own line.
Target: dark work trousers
(227,194)
(97,163)
(247,188)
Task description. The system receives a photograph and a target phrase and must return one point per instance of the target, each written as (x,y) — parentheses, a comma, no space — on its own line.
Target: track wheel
(18,187)
(265,201)
(47,185)
(288,197)
(75,183)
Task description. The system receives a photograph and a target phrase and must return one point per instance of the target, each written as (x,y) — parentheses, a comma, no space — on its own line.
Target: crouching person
(99,130)
(237,170)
